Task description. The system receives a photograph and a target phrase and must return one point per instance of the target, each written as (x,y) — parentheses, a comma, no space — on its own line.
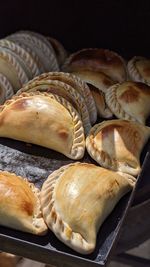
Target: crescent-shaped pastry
(129,100)
(139,69)
(98,83)
(117,145)
(20,207)
(43,48)
(25,57)
(43,119)
(77,198)
(64,90)
(100,60)
(6,90)
(75,82)
(12,69)
(60,52)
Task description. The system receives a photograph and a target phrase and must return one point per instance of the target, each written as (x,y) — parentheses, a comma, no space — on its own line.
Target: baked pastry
(100,60)
(43,119)
(20,207)
(129,100)
(12,69)
(77,198)
(98,83)
(117,145)
(139,69)
(75,82)
(41,46)
(64,90)
(26,59)
(59,50)
(6,90)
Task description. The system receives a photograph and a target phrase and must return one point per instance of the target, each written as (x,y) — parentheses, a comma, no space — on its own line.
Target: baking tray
(36,163)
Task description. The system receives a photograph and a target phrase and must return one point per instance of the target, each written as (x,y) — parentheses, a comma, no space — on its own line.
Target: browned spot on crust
(107,82)
(96,57)
(146,70)
(27,207)
(144,88)
(109,129)
(63,134)
(19,104)
(130,95)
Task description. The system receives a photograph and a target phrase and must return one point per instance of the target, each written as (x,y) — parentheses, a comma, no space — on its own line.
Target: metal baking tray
(36,163)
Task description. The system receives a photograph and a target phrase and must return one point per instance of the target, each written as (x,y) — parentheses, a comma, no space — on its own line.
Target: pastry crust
(139,69)
(99,60)
(129,100)
(6,90)
(23,55)
(38,122)
(77,84)
(117,145)
(64,90)
(60,52)
(98,83)
(91,194)
(43,48)
(10,68)
(20,207)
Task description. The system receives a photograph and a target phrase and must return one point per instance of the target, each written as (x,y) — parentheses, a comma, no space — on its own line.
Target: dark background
(123,26)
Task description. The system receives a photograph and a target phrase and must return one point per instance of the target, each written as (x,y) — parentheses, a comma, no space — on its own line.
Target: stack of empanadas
(24,55)
(57,110)
(99,68)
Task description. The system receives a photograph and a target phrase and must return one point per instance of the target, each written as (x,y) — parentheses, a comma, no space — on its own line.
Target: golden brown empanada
(129,100)
(77,198)
(64,90)
(117,145)
(43,119)
(100,60)
(139,69)
(20,207)
(75,82)
(98,83)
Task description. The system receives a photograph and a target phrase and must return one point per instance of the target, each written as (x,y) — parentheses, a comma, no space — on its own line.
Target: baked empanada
(43,119)
(139,69)
(117,145)
(129,100)
(75,82)
(20,206)
(77,198)
(98,83)
(11,69)
(100,60)
(59,50)
(64,90)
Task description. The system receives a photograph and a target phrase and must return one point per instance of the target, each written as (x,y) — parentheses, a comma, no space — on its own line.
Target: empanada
(129,100)
(6,90)
(43,119)
(75,82)
(117,145)
(59,50)
(139,69)
(20,207)
(64,90)
(77,198)
(98,83)
(100,60)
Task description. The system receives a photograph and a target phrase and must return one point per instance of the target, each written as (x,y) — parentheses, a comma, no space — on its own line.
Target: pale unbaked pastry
(77,198)
(117,145)
(139,69)
(20,206)
(96,59)
(43,119)
(129,100)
